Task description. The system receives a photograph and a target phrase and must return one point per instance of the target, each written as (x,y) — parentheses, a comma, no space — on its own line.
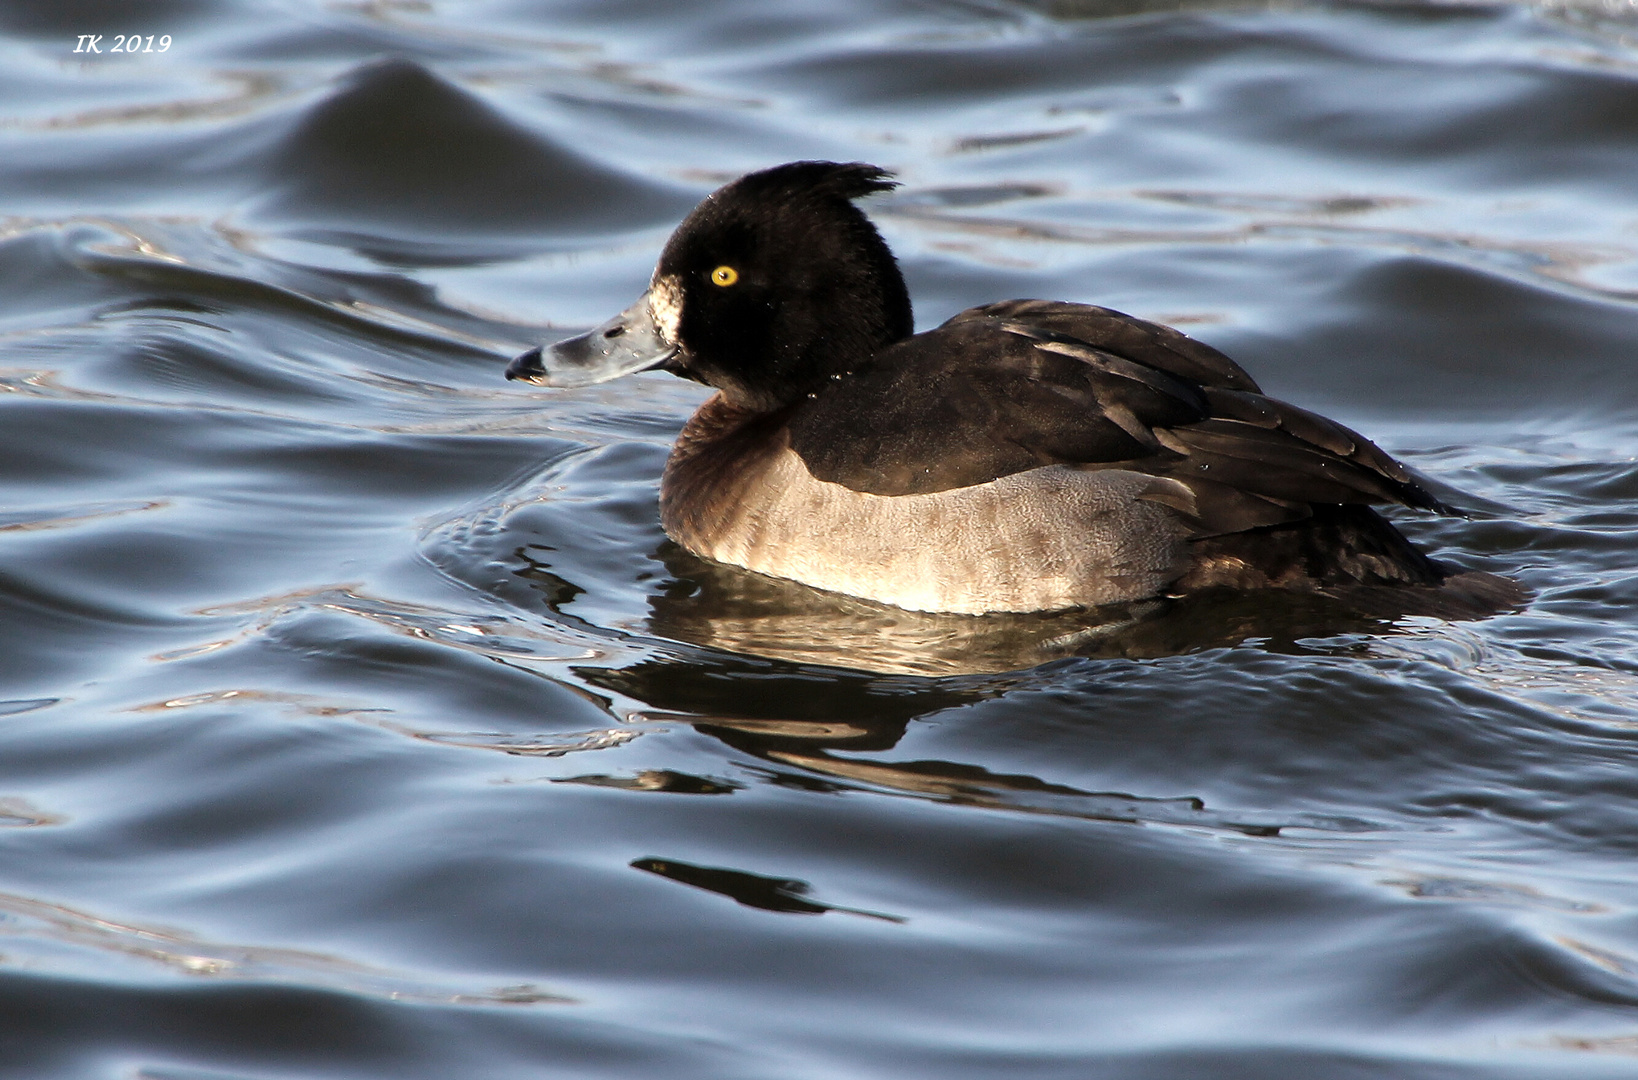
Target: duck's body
(1025,456)
(1040,540)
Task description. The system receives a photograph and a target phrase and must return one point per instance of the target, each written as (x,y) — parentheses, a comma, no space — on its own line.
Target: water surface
(357,719)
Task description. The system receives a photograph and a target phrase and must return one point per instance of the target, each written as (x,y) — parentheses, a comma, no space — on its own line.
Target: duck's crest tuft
(806,179)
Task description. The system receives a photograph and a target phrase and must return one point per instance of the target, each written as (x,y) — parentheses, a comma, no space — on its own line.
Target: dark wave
(396,149)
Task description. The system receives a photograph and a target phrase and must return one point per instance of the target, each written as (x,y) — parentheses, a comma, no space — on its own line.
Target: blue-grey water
(357,719)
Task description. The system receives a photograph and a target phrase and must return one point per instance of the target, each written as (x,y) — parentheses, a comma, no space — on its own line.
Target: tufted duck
(1027,455)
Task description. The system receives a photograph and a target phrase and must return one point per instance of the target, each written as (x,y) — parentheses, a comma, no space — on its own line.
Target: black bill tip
(527,367)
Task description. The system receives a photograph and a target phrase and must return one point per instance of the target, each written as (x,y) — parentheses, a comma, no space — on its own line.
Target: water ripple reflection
(44,936)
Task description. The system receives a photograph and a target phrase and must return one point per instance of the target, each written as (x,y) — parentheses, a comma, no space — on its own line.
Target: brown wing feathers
(1155,345)
(1025,383)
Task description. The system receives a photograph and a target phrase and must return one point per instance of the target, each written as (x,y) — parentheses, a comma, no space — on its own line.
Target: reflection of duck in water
(828,730)
(1026,456)
(723,608)
(706,603)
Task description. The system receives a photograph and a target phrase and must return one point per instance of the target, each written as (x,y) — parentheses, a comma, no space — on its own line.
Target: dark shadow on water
(666,780)
(788,895)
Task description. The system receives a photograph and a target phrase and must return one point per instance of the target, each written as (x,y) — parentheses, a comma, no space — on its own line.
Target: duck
(1025,456)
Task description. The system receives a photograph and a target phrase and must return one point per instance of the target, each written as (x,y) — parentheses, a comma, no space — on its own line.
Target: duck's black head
(771,285)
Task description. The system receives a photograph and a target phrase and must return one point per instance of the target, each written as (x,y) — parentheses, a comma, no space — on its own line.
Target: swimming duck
(1025,456)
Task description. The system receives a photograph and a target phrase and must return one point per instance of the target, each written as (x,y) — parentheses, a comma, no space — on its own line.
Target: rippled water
(357,720)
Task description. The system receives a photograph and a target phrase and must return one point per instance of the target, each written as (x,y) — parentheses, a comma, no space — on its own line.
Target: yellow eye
(724,275)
